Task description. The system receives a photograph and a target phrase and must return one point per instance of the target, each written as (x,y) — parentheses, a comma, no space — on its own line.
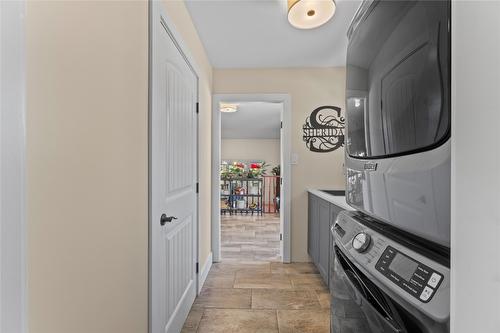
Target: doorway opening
(251,147)
(250,181)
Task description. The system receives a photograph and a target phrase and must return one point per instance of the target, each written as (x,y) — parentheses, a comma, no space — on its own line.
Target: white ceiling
(256,34)
(253,120)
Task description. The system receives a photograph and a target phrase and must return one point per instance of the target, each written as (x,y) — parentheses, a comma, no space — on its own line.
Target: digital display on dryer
(403,266)
(412,276)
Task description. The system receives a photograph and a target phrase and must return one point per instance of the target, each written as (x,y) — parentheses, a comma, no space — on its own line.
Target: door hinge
(197,187)
(281,237)
(281,124)
(281,181)
(197,268)
(197,107)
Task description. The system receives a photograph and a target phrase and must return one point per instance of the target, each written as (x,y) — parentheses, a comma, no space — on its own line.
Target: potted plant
(256,170)
(237,169)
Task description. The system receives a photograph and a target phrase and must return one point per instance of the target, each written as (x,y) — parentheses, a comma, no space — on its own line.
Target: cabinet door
(312,228)
(334,211)
(324,239)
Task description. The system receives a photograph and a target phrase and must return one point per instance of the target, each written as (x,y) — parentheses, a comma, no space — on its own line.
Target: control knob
(361,241)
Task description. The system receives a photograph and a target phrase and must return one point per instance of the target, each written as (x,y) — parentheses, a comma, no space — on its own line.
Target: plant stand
(243,195)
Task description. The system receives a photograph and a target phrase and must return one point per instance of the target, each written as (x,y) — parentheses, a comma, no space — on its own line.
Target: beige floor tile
(271,235)
(267,252)
(262,280)
(304,321)
(257,236)
(308,281)
(193,320)
(219,280)
(238,321)
(284,299)
(267,257)
(248,255)
(225,248)
(224,298)
(241,266)
(294,268)
(251,291)
(238,233)
(324,298)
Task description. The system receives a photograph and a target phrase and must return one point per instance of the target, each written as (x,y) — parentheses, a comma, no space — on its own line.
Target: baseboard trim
(204,271)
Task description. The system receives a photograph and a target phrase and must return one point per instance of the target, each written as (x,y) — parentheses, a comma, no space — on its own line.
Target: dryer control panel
(415,278)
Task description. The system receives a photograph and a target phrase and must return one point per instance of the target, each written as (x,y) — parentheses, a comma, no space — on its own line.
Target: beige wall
(177,12)
(87,162)
(267,150)
(309,88)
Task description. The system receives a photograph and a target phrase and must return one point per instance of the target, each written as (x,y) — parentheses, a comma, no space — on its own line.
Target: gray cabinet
(324,238)
(322,215)
(312,228)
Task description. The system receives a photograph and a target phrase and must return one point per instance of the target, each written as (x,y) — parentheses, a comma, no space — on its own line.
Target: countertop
(334,199)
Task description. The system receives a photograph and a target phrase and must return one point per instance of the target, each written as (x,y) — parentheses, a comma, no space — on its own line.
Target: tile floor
(261,297)
(250,238)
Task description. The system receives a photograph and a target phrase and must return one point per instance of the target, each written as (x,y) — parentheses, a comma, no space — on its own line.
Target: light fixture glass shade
(227,107)
(309,14)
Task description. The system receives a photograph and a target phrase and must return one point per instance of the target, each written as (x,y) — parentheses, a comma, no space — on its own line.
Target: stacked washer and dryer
(391,269)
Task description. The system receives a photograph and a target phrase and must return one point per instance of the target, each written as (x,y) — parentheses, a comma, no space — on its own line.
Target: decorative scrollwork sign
(324,129)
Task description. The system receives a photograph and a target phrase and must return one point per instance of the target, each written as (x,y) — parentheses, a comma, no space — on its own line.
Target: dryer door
(358,305)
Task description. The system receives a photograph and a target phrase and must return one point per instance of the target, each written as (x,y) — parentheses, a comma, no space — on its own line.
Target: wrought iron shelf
(242,209)
(230,185)
(232,211)
(241,195)
(242,179)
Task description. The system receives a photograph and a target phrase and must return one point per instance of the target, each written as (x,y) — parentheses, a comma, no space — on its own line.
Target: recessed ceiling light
(228,108)
(309,14)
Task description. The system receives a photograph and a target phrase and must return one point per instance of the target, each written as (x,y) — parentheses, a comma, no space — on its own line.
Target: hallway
(250,238)
(267,297)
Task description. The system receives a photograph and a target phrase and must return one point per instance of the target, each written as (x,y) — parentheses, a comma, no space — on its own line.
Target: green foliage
(240,170)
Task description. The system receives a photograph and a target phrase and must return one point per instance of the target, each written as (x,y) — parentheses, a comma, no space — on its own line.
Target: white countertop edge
(336,200)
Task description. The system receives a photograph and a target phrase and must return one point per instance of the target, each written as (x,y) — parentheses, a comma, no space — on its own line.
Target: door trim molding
(204,271)
(286,170)
(13,231)
(156,12)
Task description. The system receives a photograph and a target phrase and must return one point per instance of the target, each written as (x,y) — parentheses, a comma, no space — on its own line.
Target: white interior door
(13,293)
(173,177)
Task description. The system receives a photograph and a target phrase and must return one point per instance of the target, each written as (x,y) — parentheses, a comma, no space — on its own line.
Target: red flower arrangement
(240,170)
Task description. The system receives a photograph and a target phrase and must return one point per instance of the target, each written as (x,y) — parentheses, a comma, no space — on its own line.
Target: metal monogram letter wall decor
(324,129)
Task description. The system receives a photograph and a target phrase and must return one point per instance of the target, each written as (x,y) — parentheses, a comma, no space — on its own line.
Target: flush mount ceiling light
(309,14)
(226,107)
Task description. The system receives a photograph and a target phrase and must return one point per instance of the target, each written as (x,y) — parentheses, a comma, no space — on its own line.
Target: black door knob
(164,219)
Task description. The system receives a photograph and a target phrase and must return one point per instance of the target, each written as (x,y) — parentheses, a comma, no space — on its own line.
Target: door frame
(157,12)
(286,172)
(13,231)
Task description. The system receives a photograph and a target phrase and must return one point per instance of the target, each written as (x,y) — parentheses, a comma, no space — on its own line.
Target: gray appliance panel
(437,307)
(410,192)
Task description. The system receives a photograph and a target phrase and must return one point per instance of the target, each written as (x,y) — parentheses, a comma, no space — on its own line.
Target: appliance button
(434,280)
(426,294)
(361,241)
